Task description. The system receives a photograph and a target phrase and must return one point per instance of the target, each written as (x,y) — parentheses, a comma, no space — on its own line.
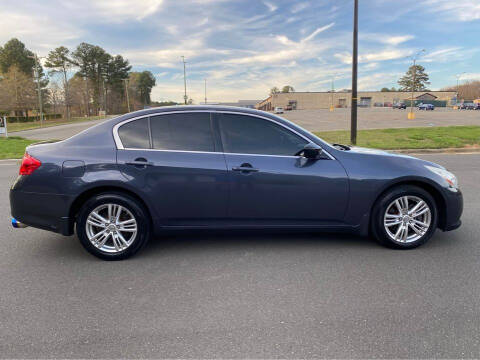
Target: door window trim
(119,144)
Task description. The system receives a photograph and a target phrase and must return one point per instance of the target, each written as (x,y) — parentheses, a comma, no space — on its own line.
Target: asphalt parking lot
(244,295)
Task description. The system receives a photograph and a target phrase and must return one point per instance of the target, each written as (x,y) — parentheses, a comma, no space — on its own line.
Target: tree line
(86,80)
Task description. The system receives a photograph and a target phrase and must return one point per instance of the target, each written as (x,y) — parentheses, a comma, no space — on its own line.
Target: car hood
(376,152)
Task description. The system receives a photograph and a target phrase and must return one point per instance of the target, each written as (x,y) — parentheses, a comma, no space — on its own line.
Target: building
(250,104)
(342,99)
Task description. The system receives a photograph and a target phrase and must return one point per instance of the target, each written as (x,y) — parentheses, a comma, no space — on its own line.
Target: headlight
(447,175)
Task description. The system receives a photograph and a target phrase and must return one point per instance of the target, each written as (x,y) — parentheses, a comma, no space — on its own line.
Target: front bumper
(44,211)
(453,211)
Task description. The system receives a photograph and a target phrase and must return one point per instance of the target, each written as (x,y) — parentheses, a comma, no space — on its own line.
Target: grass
(13,147)
(47,123)
(410,138)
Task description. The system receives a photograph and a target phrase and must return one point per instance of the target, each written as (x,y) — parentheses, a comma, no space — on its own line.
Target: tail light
(29,164)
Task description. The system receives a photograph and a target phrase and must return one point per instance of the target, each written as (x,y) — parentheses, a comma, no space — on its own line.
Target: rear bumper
(43,211)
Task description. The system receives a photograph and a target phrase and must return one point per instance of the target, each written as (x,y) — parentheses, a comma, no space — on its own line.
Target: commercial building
(342,99)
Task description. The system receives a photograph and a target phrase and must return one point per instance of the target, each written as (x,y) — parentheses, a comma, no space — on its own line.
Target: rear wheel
(404,217)
(113,226)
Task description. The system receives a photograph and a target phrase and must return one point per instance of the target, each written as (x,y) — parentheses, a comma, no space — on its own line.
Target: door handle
(139,162)
(245,169)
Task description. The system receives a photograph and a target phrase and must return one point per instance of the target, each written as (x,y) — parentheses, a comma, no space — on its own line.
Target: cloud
(41,33)
(119,10)
(383,55)
(464,10)
(318,31)
(271,7)
(396,40)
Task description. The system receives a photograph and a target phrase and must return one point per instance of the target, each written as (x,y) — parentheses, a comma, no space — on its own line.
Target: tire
(121,237)
(386,215)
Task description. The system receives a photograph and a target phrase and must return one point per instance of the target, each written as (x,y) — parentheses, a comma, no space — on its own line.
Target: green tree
(287,89)
(418,73)
(60,62)
(15,53)
(146,82)
(274,90)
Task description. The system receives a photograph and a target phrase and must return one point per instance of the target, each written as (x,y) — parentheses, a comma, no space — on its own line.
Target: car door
(172,159)
(269,184)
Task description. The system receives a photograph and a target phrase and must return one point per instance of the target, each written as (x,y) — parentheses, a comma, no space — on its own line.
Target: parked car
(477,106)
(399,106)
(278,110)
(210,167)
(467,106)
(288,108)
(426,107)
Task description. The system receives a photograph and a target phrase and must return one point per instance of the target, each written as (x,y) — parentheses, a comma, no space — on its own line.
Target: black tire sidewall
(133,205)
(385,200)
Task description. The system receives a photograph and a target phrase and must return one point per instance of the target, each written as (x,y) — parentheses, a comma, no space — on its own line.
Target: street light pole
(353,120)
(185,97)
(458,76)
(332,107)
(411,114)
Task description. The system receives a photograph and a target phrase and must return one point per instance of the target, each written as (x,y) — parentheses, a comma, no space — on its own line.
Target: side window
(134,134)
(182,131)
(245,134)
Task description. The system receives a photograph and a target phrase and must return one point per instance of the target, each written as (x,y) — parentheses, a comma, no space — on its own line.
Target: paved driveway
(244,296)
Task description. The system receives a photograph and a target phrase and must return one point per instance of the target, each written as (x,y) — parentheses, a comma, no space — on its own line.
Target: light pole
(411,114)
(205,91)
(36,73)
(126,93)
(353,120)
(104,97)
(458,76)
(185,97)
(332,107)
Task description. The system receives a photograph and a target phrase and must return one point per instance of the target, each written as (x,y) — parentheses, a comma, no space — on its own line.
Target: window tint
(134,134)
(183,131)
(250,135)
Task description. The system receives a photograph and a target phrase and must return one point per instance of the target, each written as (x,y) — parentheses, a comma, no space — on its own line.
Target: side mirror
(311,151)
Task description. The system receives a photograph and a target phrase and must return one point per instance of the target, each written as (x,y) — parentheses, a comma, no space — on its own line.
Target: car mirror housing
(311,151)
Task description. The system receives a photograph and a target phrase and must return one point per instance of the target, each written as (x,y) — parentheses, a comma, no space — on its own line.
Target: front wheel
(404,217)
(113,226)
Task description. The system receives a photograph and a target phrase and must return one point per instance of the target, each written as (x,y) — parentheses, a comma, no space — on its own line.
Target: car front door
(172,159)
(269,184)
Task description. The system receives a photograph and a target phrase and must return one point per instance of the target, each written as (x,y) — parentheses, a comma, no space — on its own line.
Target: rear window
(182,131)
(134,134)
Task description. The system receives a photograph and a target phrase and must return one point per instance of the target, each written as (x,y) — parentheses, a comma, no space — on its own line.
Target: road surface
(244,296)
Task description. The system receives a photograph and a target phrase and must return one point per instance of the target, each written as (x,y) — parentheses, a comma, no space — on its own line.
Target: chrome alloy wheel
(407,219)
(111,228)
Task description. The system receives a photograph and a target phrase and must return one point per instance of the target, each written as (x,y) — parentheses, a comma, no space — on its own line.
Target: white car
(278,110)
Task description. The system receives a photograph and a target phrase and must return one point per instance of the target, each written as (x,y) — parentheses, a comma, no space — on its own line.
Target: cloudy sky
(245,47)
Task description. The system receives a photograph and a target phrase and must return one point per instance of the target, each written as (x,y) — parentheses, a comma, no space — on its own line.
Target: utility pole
(104,97)
(411,114)
(185,97)
(36,72)
(126,93)
(205,91)
(353,120)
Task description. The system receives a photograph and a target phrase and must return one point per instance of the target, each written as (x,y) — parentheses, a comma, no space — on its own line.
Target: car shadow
(189,242)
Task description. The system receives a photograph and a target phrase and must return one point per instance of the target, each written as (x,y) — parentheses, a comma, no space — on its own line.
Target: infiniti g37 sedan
(208,167)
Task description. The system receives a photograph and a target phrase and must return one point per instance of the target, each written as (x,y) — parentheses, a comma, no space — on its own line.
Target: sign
(3,126)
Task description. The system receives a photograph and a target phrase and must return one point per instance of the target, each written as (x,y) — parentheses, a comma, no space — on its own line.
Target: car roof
(160,109)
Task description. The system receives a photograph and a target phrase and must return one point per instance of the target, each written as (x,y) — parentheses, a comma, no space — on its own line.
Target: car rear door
(269,184)
(172,159)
